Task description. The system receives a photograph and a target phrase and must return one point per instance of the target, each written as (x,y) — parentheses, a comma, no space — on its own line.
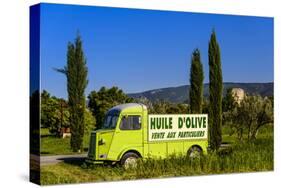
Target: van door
(128,134)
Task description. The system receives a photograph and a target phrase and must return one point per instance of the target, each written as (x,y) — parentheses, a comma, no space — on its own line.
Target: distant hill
(179,94)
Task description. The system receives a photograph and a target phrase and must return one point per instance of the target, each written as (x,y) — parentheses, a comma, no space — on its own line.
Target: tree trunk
(254,134)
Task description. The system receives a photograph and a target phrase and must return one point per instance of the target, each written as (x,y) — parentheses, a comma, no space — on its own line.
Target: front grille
(92,147)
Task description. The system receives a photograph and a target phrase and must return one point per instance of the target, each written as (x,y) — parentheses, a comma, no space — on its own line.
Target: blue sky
(138,50)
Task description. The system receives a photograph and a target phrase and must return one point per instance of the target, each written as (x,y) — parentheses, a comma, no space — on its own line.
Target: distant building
(65,132)
(238,94)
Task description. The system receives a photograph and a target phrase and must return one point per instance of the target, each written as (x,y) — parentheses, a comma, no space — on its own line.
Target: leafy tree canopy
(100,102)
(54,113)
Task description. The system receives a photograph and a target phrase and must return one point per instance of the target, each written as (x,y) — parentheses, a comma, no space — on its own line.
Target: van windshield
(110,121)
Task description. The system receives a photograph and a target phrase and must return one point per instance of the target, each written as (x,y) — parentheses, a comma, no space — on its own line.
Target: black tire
(194,152)
(129,156)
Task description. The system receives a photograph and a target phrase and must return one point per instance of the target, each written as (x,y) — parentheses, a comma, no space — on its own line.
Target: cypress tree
(216,91)
(76,72)
(196,83)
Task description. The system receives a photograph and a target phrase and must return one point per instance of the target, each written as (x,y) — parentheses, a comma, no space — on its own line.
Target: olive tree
(250,115)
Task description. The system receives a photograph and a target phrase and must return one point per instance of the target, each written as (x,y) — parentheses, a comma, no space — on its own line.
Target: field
(51,145)
(246,157)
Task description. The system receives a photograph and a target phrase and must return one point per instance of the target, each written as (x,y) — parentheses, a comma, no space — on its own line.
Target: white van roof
(127,105)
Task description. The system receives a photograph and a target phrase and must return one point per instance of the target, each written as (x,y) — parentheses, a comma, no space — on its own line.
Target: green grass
(44,132)
(246,157)
(51,145)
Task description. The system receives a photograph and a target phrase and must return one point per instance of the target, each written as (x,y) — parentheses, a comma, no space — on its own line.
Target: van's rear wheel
(194,152)
(129,160)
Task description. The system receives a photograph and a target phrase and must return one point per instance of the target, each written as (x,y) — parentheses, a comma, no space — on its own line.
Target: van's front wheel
(129,160)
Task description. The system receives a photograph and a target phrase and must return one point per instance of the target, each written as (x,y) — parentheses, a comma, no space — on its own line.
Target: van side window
(130,123)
